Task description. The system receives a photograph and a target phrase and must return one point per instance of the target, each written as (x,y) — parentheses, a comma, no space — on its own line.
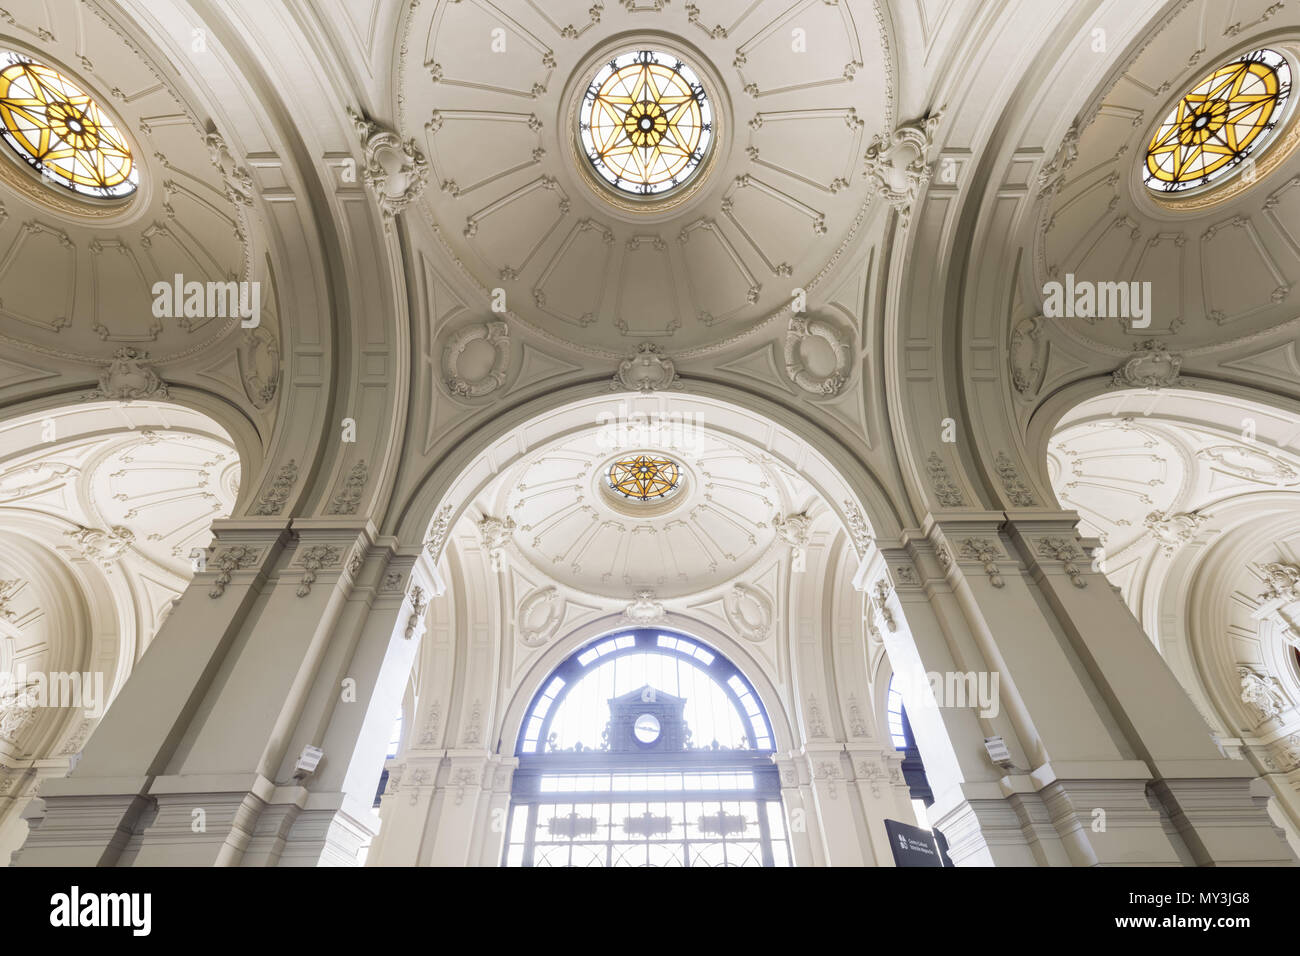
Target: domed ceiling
(124,488)
(798,91)
(717,523)
(1148,471)
(1224,261)
(76,275)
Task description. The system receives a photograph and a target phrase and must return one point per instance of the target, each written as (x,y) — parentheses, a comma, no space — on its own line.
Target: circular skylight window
(642,477)
(1218,123)
(645,122)
(60,131)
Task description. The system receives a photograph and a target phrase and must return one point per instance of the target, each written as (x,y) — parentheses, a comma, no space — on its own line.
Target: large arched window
(646,748)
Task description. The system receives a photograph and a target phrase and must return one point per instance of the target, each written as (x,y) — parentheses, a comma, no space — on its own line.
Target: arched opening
(106,511)
(646,748)
(1195,498)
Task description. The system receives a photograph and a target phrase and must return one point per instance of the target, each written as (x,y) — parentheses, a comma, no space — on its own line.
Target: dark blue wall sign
(912,846)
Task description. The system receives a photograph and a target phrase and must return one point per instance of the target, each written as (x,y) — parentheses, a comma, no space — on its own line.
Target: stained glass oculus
(645,122)
(58,129)
(1218,123)
(643,477)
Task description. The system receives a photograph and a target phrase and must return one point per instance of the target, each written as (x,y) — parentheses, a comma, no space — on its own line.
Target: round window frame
(650,507)
(660,205)
(74,207)
(1279,145)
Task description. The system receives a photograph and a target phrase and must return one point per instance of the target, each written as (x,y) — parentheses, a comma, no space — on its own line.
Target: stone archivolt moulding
(832,383)
(495,334)
(749,612)
(394,169)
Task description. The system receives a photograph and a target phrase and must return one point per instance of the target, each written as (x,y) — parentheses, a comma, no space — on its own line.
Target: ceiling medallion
(643,477)
(1218,123)
(645,123)
(60,131)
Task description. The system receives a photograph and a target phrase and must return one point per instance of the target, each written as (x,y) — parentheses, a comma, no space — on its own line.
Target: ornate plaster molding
(749,612)
(1067,552)
(228,562)
(534,633)
(644,609)
(314,559)
(898,167)
(1152,367)
(796,531)
(348,500)
(128,377)
(394,169)
(987,553)
(273,501)
(945,490)
(495,334)
(800,330)
(495,533)
(649,370)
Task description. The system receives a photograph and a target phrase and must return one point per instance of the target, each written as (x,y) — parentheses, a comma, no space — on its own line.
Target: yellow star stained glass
(644,476)
(58,129)
(645,122)
(1218,122)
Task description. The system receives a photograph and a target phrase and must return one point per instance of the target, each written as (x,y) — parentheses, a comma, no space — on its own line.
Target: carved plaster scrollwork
(898,167)
(795,530)
(1261,693)
(272,503)
(102,546)
(647,371)
(749,612)
(495,533)
(859,528)
(1152,367)
(534,632)
(1067,553)
(945,490)
(880,598)
(314,559)
(802,329)
(1173,530)
(1017,491)
(1285,755)
(495,334)
(17,710)
(394,169)
(1025,354)
(985,552)
(437,538)
(348,500)
(1281,581)
(259,365)
(235,178)
(7,591)
(228,562)
(128,377)
(419,603)
(644,609)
